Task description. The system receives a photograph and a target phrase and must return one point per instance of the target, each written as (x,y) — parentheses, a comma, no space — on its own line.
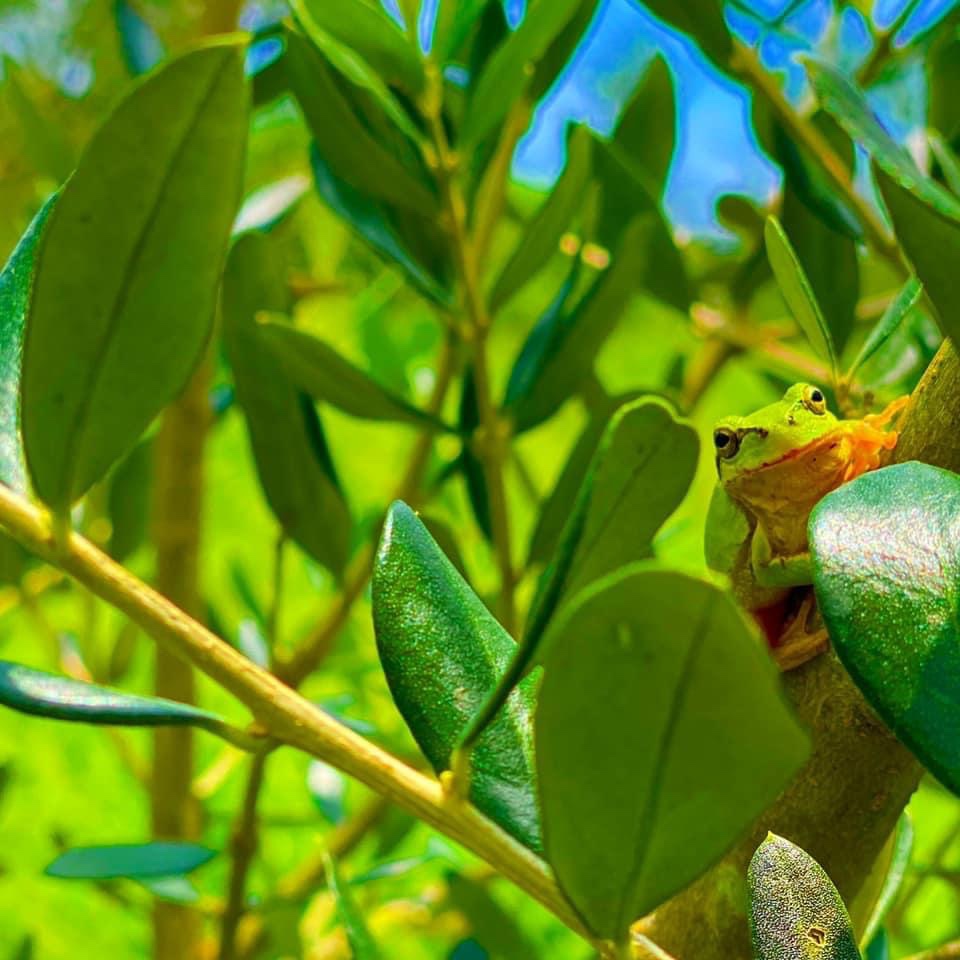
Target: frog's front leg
(770,570)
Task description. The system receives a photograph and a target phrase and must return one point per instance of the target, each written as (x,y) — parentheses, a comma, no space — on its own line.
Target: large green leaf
(541,239)
(798,293)
(886,562)
(442,653)
(703,20)
(135,245)
(795,911)
(318,370)
(16,281)
(130,861)
(288,445)
(661,734)
(508,72)
(560,351)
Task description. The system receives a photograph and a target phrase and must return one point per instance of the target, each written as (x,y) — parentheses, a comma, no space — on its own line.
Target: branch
(949,951)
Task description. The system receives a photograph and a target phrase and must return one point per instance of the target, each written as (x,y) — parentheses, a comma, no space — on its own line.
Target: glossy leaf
(560,351)
(362,944)
(442,652)
(135,244)
(886,561)
(16,282)
(507,73)
(897,311)
(797,292)
(291,455)
(645,787)
(371,35)
(902,847)
(795,911)
(541,239)
(130,861)
(646,129)
(703,20)
(319,371)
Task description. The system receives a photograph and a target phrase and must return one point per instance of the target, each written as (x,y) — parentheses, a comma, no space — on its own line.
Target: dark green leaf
(541,239)
(16,281)
(135,245)
(128,501)
(703,20)
(946,159)
(492,926)
(468,463)
(645,786)
(798,294)
(455,19)
(645,132)
(899,861)
(795,911)
(362,944)
(442,653)
(130,861)
(943,79)
(288,445)
(319,371)
(370,34)
(879,947)
(560,351)
(507,73)
(897,311)
(886,561)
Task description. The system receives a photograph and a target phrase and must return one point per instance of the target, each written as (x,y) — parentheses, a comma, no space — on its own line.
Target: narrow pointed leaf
(645,131)
(130,861)
(454,21)
(798,293)
(16,281)
(896,869)
(899,308)
(886,561)
(947,160)
(128,501)
(289,448)
(541,239)
(795,911)
(647,785)
(135,244)
(703,20)
(319,371)
(362,944)
(442,653)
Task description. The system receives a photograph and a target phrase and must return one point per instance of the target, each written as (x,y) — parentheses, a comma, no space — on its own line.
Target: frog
(773,467)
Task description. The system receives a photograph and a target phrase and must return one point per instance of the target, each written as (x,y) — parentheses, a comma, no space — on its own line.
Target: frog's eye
(726,441)
(814,400)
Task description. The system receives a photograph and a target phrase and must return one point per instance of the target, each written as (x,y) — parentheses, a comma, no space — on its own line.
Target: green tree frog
(773,467)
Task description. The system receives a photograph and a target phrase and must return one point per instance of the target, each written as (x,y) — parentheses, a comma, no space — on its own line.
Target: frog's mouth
(827,440)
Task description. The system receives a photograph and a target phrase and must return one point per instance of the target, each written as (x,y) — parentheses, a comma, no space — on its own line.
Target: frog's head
(766,437)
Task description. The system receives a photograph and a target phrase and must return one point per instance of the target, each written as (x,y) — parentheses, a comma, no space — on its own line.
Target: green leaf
(661,734)
(560,351)
(947,160)
(795,911)
(370,34)
(16,281)
(289,448)
(942,64)
(128,501)
(541,239)
(899,861)
(362,944)
(442,653)
(141,47)
(798,294)
(327,787)
(879,947)
(495,928)
(897,311)
(507,73)
(175,889)
(703,20)
(468,463)
(646,129)
(345,143)
(454,21)
(130,861)
(135,244)
(319,371)
(886,562)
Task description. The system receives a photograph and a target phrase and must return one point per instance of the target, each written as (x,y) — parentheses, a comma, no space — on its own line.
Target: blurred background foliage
(63,63)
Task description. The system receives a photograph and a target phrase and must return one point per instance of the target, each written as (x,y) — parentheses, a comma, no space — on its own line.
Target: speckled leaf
(795,911)
(797,292)
(661,734)
(442,653)
(16,281)
(319,371)
(886,561)
(289,448)
(130,861)
(135,244)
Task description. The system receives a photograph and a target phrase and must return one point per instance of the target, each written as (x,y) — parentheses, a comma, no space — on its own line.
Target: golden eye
(726,442)
(814,400)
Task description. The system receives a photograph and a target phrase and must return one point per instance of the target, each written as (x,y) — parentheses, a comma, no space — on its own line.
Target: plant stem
(883,47)
(492,431)
(949,951)
(282,713)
